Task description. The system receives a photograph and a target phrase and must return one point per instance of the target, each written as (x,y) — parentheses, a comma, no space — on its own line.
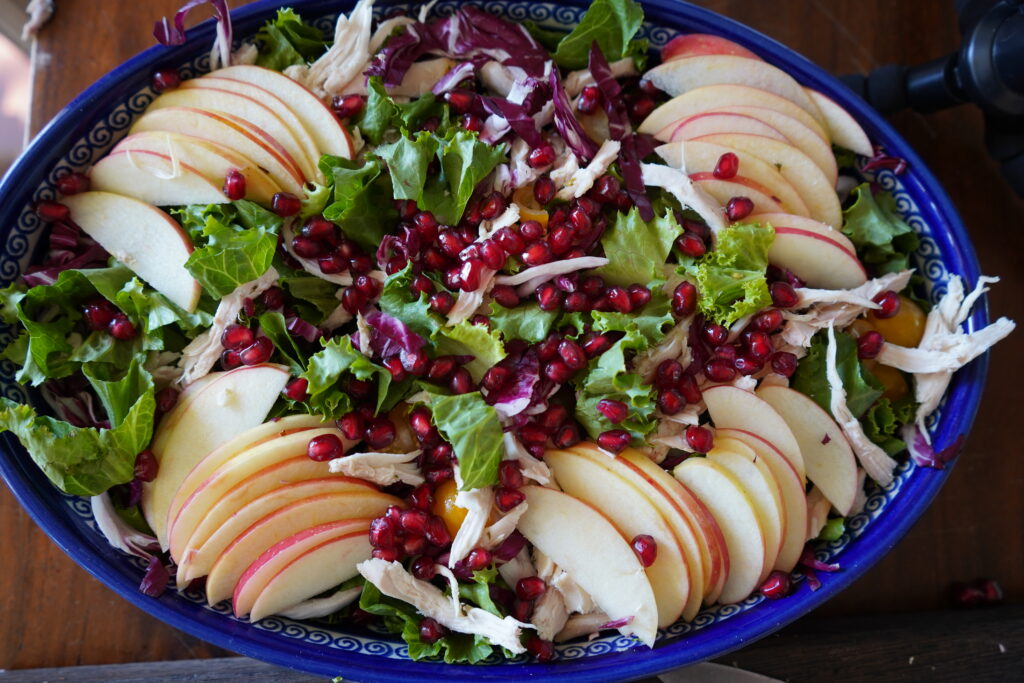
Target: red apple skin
(697,44)
(782,230)
(739,180)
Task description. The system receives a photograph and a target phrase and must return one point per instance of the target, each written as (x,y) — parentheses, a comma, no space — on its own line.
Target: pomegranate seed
(557,371)
(73,183)
(472,123)
(549,297)
(537,254)
(424,568)
(234,185)
(727,167)
(767,321)
(597,345)
(496,378)
(442,302)
(450,242)
(361,389)
(572,354)
(305,247)
(606,189)
(229,360)
(646,549)
(325,447)
(726,352)
(332,264)
(420,422)
(352,300)
(548,349)
(380,433)
(738,208)
(521,610)
(543,650)
(505,295)
(360,263)
(530,588)
(273,298)
(554,417)
(478,559)
(668,374)
(614,411)
(460,100)
(166,399)
(406,208)
(297,389)
(461,382)
(869,344)
(382,533)
(165,79)
(351,426)
(146,466)
(670,401)
(414,522)
(440,368)
(619,299)
(121,328)
(493,255)
(588,100)
(776,585)
(347,106)
(510,474)
(691,245)
(992,590)
(285,204)
(639,296)
(580,220)
(470,275)
(437,533)
(506,499)
(714,334)
(689,389)
(531,231)
(422,498)
(684,299)
(641,108)
(966,596)
(493,207)
(52,211)
(394,366)
(577,302)
(388,555)
(98,314)
(544,190)
(426,225)
(567,436)
(719,370)
(542,156)
(747,365)
(510,241)
(699,439)
(889,302)
(532,433)
(760,345)
(614,440)
(371,287)
(784,363)
(560,239)
(592,207)
(783,295)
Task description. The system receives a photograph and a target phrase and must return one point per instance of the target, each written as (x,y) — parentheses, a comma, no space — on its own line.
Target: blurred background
(14,82)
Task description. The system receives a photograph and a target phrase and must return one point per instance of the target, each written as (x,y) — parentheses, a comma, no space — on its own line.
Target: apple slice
(737,186)
(699,156)
(233,133)
(664,119)
(285,522)
(788,220)
(734,512)
(710,123)
(760,487)
(328,133)
(154,178)
(791,488)
(213,536)
(734,408)
(206,416)
(682,75)
(633,514)
(274,582)
(261,111)
(247,439)
(814,187)
(212,160)
(142,237)
(583,543)
(696,44)
(830,461)
(817,260)
(842,127)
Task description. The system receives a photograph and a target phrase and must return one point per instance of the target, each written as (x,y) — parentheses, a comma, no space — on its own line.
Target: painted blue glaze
(95,120)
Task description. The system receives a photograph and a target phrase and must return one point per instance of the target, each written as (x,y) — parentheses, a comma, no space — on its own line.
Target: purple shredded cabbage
(297,327)
(633,175)
(810,566)
(70,248)
(616,623)
(451,80)
(611,94)
(923,455)
(881,160)
(518,118)
(154,583)
(389,336)
(518,393)
(168,34)
(568,125)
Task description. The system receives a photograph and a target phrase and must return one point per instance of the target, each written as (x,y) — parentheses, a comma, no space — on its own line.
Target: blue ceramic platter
(84,131)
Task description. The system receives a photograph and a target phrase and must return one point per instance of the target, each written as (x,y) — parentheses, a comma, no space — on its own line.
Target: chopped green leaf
(399,301)
(526,321)
(862,388)
(474,431)
(473,340)
(884,419)
(651,321)
(637,250)
(380,112)
(233,253)
(883,241)
(610,23)
(325,370)
(272,324)
(361,204)
(286,40)
(731,278)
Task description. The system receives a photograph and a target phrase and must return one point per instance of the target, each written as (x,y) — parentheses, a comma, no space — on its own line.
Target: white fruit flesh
(817,260)
(724,190)
(734,408)
(719,122)
(786,220)
(154,178)
(842,127)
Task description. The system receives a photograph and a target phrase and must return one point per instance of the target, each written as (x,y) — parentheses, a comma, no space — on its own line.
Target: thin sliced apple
(696,44)
(275,582)
(154,178)
(233,133)
(142,237)
(735,513)
(328,133)
(842,127)
(830,461)
(223,406)
(817,260)
(212,160)
(791,488)
(583,543)
(814,187)
(633,514)
(682,75)
(710,123)
(734,408)
(788,220)
(285,522)
(737,186)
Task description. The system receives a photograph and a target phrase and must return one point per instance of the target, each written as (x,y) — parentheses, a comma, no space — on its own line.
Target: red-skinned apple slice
(830,461)
(285,522)
(154,178)
(683,75)
(817,260)
(697,44)
(788,220)
(734,408)
(328,133)
(842,127)
(737,186)
(814,187)
(142,237)
(791,488)
(273,582)
(712,122)
(583,543)
(732,508)
(633,514)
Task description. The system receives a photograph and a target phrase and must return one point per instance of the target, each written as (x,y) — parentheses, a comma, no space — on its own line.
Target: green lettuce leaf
(286,40)
(606,377)
(315,201)
(884,419)
(862,387)
(272,324)
(883,241)
(237,245)
(731,278)
(398,300)
(637,250)
(833,529)
(327,366)
(361,202)
(474,340)
(474,431)
(610,23)
(526,321)
(380,114)
(312,297)
(652,321)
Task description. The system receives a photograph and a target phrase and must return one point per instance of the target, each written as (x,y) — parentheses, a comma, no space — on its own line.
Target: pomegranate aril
(641,108)
(166,399)
(869,345)
(496,378)
(684,299)
(510,474)
(714,334)
(783,295)
(442,302)
(146,466)
(351,426)
(360,263)
(606,189)
(567,436)
(478,558)
(505,295)
(413,545)
(646,549)
(747,365)
(531,230)
(165,79)
(352,300)
(285,204)
(273,299)
(493,255)
(760,345)
(460,382)
(549,298)
(394,366)
(422,498)
(619,300)
(577,302)
(493,207)
(406,208)
(536,450)
(472,122)
(297,389)
(691,245)
(450,242)
(424,568)
(505,499)
(767,321)
(325,447)
(522,610)
(720,370)
(371,287)
(98,313)
(420,422)
(738,208)
(557,371)
(726,352)
(51,211)
(614,411)
(543,650)
(530,587)
(532,433)
(699,439)
(588,100)
(776,585)
(614,440)
(573,356)
(470,275)
(509,240)
(380,433)
(121,328)
(437,533)
(544,190)
(361,389)
(73,183)
(639,296)
(784,363)
(542,156)
(306,247)
(537,254)
(347,106)
(560,239)
(388,555)
(597,345)
(580,221)
(441,368)
(727,167)
(690,390)
(229,360)
(332,264)
(889,303)
(382,533)
(670,401)
(414,522)
(460,100)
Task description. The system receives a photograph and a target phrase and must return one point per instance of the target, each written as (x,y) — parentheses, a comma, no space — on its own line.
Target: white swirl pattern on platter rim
(24,235)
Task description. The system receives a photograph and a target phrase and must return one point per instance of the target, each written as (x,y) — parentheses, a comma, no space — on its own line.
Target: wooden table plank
(56,615)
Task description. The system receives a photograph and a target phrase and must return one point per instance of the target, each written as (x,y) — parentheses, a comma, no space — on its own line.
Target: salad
(488,335)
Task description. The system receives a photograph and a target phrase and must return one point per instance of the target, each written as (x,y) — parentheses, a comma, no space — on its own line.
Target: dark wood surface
(54,614)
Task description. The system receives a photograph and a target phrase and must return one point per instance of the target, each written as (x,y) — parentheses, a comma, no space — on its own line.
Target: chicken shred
(478,503)
(468,303)
(531,467)
(581,181)
(346,59)
(383,469)
(679,185)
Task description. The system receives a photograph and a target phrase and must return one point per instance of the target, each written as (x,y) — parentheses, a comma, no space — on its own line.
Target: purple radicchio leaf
(70,248)
(174,34)
(518,118)
(389,336)
(611,94)
(632,174)
(155,581)
(569,127)
(922,453)
(881,160)
(451,80)
(809,565)
(518,393)
(297,327)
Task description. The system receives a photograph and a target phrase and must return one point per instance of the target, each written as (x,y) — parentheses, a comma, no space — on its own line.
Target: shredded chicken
(321,607)
(162,365)
(565,168)
(117,532)
(363,333)
(345,60)
(528,279)
(668,435)
(246,54)
(582,625)
(519,567)
(39,12)
(584,179)
(468,303)
(549,614)
(576,81)
(574,597)
(496,533)
(531,467)
(944,347)
(199,357)
(497,78)
(682,188)
(383,469)
(873,459)
(477,503)
(488,228)
(392,580)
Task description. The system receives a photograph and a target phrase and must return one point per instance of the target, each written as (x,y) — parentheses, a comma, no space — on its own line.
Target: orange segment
(905,328)
(446,509)
(529,210)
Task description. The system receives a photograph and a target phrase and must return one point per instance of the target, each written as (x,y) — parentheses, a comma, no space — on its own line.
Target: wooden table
(54,614)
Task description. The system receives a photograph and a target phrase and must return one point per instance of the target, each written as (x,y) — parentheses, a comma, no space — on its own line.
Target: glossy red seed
(166,399)
(577,302)
(784,363)
(424,568)
(684,299)
(699,439)
(450,242)
(234,185)
(437,533)
(776,585)
(496,378)
(510,474)
(548,349)
(422,498)
(394,366)
(597,345)
(767,321)
(380,433)
(719,370)
(783,295)
(639,296)
(229,360)
(614,440)
(73,183)
(690,390)
(530,587)
(505,499)
(726,352)
(505,295)
(759,345)
(531,230)
(544,190)
(668,373)
(285,204)
(478,558)
(306,247)
(369,287)
(493,206)
(273,298)
(738,208)
(382,533)
(325,447)
(869,344)
(360,263)
(388,555)
(352,300)
(98,313)
(414,522)
(606,189)
(614,411)
(670,401)
(297,389)
(52,211)
(557,371)
(560,239)
(567,436)
(543,650)
(426,225)
(442,302)
(258,352)
(420,422)
(471,274)
(121,328)
(542,156)
(747,365)
(472,122)
(714,334)
(165,79)
(332,264)
(641,108)
(460,382)
(362,389)
(406,208)
(588,100)
(549,297)
(619,300)
(537,254)
(691,245)
(440,368)
(510,240)
(146,466)
(727,167)
(351,426)
(460,100)
(347,106)
(580,220)
(889,303)
(493,255)
(572,354)
(646,549)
